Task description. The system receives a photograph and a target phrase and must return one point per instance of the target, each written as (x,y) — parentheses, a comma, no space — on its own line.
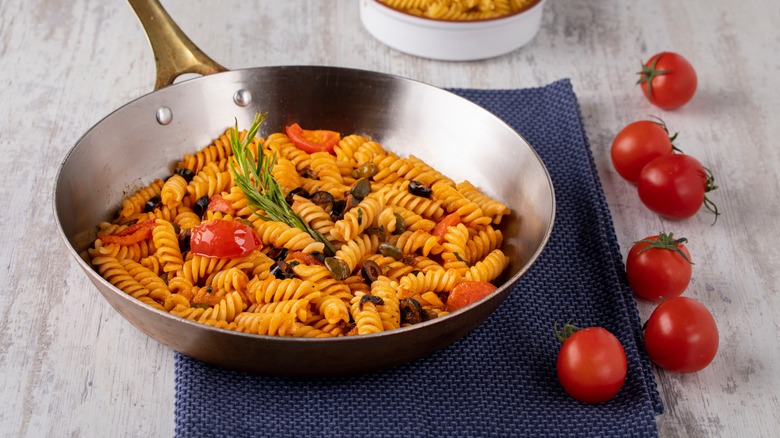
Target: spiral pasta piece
(431,281)
(490,207)
(358,218)
(410,242)
(281,144)
(313,215)
(283,236)
(366,315)
(167,243)
(272,324)
(216,152)
(454,202)
(389,310)
(489,268)
(173,191)
(209,182)
(427,208)
(135,203)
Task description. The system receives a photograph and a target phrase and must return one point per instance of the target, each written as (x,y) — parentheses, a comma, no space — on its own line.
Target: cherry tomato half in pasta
(659,267)
(592,365)
(668,80)
(133,234)
(681,335)
(468,292)
(223,239)
(636,145)
(220,204)
(312,141)
(444,224)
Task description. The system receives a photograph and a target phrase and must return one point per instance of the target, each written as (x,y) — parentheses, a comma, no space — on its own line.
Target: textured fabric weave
(500,379)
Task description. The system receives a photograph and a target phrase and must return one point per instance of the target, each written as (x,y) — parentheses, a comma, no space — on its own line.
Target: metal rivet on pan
(164,115)
(242,97)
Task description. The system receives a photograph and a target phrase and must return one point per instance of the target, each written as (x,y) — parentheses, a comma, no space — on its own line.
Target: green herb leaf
(252,173)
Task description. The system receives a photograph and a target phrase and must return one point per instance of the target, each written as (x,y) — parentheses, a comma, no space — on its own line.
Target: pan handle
(174,53)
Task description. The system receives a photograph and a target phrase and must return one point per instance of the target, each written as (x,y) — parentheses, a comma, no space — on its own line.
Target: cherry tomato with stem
(591,364)
(675,186)
(639,143)
(681,335)
(223,239)
(668,80)
(659,267)
(311,141)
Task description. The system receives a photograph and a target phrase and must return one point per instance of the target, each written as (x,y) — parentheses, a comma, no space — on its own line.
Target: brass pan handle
(174,53)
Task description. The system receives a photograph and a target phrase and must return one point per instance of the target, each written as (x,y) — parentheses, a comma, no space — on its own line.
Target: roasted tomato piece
(223,239)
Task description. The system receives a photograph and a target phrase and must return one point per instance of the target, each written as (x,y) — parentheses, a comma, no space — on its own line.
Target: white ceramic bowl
(451,40)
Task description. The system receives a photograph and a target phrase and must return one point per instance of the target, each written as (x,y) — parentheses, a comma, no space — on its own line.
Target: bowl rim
(437,22)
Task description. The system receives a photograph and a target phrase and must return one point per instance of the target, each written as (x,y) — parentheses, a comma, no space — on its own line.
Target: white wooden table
(70,365)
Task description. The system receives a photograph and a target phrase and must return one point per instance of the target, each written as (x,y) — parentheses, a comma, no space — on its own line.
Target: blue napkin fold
(500,379)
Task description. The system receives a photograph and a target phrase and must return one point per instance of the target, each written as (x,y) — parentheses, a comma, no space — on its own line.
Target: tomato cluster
(681,335)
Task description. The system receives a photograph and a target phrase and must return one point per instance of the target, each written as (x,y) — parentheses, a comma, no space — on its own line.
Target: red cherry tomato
(637,144)
(668,80)
(223,239)
(592,365)
(468,292)
(675,186)
(444,224)
(218,203)
(133,234)
(681,335)
(659,266)
(312,140)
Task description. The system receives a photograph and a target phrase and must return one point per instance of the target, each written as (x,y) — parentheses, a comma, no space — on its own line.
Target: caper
(361,189)
(300,191)
(419,189)
(201,205)
(400,224)
(366,170)
(152,203)
(371,271)
(389,250)
(338,268)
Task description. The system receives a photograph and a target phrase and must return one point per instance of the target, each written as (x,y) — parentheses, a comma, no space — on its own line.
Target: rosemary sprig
(265,196)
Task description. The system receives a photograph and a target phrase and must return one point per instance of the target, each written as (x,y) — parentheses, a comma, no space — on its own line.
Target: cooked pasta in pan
(304,233)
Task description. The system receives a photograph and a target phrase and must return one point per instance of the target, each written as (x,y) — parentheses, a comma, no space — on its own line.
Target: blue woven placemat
(500,379)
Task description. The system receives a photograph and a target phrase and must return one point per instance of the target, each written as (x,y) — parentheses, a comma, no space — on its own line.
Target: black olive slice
(201,205)
(411,311)
(184,239)
(300,191)
(368,298)
(323,199)
(419,189)
(277,253)
(337,212)
(282,270)
(371,271)
(152,203)
(185,173)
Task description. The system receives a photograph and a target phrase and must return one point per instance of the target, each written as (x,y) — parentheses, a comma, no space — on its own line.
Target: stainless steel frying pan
(144,139)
